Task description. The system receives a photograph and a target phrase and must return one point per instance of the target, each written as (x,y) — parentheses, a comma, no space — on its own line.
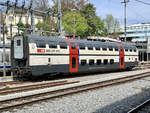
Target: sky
(136,12)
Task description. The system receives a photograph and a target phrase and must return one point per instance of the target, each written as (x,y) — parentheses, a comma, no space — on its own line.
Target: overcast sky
(136,12)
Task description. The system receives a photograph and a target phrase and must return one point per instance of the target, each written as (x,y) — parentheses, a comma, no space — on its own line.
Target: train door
(73,57)
(18,47)
(121,57)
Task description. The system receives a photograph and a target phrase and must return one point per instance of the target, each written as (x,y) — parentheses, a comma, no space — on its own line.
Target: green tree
(95,24)
(112,25)
(44,26)
(21,26)
(74,23)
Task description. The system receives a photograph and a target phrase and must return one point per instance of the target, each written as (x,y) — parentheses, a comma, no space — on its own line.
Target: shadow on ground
(126,104)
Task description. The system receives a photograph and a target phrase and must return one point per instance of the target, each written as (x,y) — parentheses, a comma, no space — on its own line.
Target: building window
(11,18)
(91,62)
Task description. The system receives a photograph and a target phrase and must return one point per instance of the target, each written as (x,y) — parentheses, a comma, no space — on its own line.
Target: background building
(138,33)
(14,19)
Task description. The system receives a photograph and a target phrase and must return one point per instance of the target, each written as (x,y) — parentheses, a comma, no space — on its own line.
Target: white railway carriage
(34,55)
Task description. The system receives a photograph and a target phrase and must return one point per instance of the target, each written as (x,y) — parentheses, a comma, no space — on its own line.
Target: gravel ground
(115,99)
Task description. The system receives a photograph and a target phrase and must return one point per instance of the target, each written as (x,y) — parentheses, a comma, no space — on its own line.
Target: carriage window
(104,48)
(73,62)
(126,50)
(81,46)
(97,47)
(90,47)
(111,61)
(99,61)
(18,42)
(63,45)
(130,50)
(105,61)
(116,49)
(83,62)
(52,44)
(41,45)
(136,59)
(134,50)
(73,46)
(91,62)
(110,48)
(121,60)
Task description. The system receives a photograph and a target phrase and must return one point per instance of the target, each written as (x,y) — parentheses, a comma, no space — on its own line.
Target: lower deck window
(91,62)
(99,61)
(105,61)
(111,61)
(83,62)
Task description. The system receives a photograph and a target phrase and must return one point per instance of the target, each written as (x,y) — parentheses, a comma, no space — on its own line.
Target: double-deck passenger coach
(34,55)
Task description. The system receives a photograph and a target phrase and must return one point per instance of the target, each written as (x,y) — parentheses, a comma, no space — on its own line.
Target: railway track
(142,108)
(23,100)
(34,87)
(13,83)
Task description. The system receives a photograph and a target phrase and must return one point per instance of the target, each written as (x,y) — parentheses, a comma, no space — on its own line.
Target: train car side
(41,56)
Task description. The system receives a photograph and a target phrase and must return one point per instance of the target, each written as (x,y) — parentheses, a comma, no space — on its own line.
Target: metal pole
(59,18)
(4,64)
(32,22)
(10,45)
(125,21)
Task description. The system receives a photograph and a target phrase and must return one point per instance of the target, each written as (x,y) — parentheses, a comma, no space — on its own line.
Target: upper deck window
(126,50)
(134,50)
(116,48)
(52,44)
(110,48)
(104,48)
(97,47)
(41,45)
(90,47)
(63,45)
(81,45)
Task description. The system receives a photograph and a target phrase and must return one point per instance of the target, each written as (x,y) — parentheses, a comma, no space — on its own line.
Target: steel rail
(134,110)
(33,98)
(34,87)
